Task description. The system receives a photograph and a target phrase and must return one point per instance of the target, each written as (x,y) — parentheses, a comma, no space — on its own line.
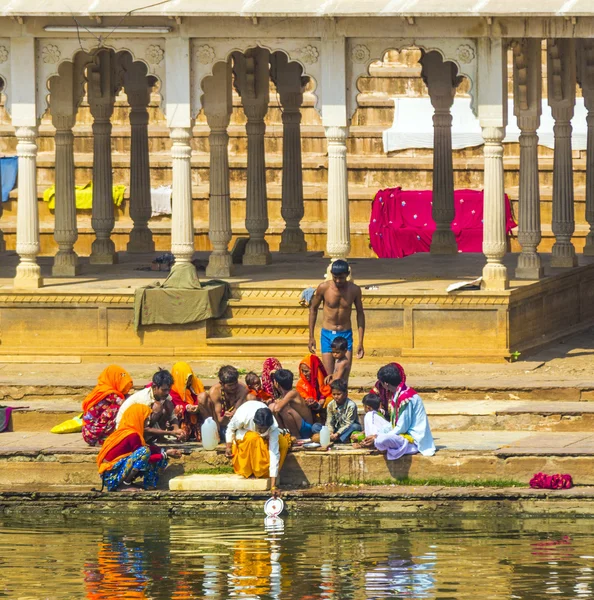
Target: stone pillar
(338,244)
(252,81)
(218,106)
(24,119)
(64,101)
(527,69)
(139,95)
(585,71)
(492,100)
(101,93)
(290,85)
(28,273)
(442,80)
(561,82)
(182,219)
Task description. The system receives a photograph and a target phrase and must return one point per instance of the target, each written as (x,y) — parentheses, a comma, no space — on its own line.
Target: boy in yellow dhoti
(255,443)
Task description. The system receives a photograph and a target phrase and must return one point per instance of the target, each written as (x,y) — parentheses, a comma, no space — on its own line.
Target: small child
(374,422)
(342,419)
(254,385)
(342,365)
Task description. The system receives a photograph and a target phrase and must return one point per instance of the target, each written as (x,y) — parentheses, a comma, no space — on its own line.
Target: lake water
(318,556)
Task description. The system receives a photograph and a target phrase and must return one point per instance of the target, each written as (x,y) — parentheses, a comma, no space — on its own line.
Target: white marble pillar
(290,85)
(101,93)
(585,70)
(28,273)
(25,119)
(492,109)
(252,74)
(218,106)
(338,244)
(2,242)
(63,101)
(182,220)
(442,80)
(561,82)
(527,70)
(138,92)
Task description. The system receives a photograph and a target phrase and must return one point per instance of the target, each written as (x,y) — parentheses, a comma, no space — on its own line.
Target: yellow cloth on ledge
(83,195)
(251,455)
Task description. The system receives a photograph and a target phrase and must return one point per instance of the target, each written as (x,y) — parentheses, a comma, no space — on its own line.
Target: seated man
(228,395)
(255,443)
(412,433)
(290,407)
(342,419)
(162,420)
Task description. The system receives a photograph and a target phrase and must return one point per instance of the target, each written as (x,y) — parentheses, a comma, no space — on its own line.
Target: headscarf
(132,422)
(314,387)
(268,368)
(180,373)
(393,403)
(113,380)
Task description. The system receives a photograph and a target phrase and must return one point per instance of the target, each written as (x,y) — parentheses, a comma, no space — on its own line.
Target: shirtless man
(290,408)
(338,296)
(227,395)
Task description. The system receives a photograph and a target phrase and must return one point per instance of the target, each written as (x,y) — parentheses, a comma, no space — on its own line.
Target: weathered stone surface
(217,483)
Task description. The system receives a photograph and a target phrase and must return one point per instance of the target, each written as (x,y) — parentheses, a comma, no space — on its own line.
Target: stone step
(445,415)
(36,459)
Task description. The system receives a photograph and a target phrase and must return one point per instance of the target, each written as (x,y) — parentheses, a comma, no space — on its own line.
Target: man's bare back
(338,296)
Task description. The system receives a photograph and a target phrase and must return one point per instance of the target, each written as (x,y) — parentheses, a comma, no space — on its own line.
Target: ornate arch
(361,52)
(52,52)
(207,52)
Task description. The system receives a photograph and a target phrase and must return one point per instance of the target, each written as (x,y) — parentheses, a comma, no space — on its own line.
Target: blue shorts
(328,337)
(305,431)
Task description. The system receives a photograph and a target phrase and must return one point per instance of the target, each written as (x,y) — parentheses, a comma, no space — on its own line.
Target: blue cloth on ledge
(9,166)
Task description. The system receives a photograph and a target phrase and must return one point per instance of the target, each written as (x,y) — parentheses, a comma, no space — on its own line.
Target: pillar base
(529,273)
(495,277)
(292,242)
(65,265)
(103,253)
(564,256)
(588,250)
(28,277)
(141,241)
(257,253)
(443,248)
(220,265)
(104,259)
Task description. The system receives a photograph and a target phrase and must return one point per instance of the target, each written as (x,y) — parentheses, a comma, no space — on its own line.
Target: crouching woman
(255,443)
(124,456)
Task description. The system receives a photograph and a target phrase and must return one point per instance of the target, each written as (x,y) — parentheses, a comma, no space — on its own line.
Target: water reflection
(302,558)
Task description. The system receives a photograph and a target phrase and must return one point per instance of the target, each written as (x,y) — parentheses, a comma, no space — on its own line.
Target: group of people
(260,418)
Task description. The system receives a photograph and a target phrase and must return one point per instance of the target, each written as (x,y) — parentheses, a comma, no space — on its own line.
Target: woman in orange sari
(311,386)
(125,455)
(101,406)
(184,394)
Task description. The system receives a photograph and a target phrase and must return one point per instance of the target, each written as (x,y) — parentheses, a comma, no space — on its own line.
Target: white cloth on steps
(161,200)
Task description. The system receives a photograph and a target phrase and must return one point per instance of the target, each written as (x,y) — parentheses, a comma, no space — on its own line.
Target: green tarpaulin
(180,299)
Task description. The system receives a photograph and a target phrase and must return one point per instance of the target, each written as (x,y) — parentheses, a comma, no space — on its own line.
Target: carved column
(290,84)
(101,92)
(218,106)
(527,69)
(492,111)
(442,80)
(64,98)
(252,81)
(28,273)
(182,220)
(561,81)
(585,56)
(338,244)
(138,92)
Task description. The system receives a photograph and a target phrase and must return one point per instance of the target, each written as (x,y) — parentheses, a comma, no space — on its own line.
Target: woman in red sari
(101,406)
(270,366)
(311,386)
(184,394)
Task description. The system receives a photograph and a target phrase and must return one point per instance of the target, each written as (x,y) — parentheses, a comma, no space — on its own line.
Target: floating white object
(210,434)
(324,437)
(274,506)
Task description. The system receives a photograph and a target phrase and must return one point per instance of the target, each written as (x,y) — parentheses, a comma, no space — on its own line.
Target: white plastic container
(210,434)
(324,437)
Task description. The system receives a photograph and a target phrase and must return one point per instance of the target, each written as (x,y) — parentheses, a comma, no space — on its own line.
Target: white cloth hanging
(161,200)
(413,125)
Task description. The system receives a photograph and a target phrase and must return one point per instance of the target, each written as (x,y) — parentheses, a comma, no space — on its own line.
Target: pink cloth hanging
(402,224)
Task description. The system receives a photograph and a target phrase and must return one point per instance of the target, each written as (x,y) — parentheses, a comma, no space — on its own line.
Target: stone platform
(408,312)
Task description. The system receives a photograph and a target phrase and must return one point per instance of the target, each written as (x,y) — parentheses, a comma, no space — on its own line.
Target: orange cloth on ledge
(251,455)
